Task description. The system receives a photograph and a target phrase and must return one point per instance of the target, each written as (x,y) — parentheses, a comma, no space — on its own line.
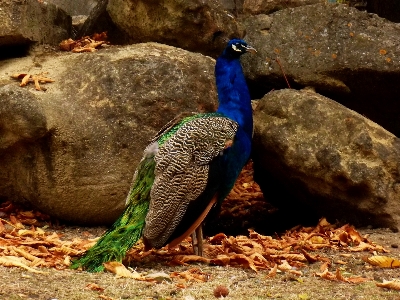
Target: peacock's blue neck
(233,94)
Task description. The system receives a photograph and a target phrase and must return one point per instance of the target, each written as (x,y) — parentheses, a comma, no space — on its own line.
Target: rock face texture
(25,22)
(313,155)
(192,25)
(75,7)
(71,151)
(255,7)
(350,56)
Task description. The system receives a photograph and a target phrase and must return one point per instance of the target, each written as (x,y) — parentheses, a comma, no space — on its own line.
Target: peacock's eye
(236,47)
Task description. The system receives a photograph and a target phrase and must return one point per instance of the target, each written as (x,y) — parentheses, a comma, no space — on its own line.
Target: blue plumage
(189,167)
(234,103)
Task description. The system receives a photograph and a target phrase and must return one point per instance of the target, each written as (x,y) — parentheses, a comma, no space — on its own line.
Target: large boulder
(26,22)
(348,55)
(192,25)
(314,157)
(71,151)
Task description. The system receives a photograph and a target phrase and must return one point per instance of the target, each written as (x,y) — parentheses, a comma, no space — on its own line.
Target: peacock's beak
(251,49)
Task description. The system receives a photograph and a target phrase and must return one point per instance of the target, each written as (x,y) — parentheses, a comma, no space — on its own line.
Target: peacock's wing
(182,117)
(182,172)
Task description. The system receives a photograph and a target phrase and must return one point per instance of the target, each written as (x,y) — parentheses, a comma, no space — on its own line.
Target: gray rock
(75,7)
(100,21)
(71,151)
(255,7)
(350,56)
(26,22)
(232,6)
(192,25)
(314,156)
(21,117)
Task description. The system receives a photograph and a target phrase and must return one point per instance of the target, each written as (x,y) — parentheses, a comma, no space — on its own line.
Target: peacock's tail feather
(127,230)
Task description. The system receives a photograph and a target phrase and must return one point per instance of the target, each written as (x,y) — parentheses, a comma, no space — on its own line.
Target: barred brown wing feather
(182,165)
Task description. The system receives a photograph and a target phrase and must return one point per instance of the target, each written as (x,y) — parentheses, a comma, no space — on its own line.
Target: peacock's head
(237,47)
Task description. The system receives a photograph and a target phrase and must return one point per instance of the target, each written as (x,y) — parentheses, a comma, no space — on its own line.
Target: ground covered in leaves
(324,261)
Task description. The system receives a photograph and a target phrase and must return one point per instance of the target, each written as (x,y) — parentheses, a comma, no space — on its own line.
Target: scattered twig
(284,75)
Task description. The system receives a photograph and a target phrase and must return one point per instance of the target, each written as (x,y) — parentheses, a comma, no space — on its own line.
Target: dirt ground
(16,283)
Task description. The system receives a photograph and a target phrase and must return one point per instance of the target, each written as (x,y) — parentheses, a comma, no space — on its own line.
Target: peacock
(188,168)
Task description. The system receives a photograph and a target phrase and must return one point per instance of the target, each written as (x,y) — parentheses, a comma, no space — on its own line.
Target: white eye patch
(236,48)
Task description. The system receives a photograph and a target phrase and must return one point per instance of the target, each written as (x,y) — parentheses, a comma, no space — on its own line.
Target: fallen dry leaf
(339,277)
(191,275)
(393,284)
(13,261)
(272,272)
(94,287)
(84,44)
(184,259)
(383,261)
(120,270)
(37,79)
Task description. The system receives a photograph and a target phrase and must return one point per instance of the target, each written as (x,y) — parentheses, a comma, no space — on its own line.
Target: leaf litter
(27,242)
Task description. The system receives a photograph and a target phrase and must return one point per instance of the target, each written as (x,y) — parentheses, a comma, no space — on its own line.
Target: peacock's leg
(194,229)
(197,241)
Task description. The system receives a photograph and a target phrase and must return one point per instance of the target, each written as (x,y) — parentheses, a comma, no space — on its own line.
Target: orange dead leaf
(393,284)
(310,258)
(13,261)
(217,239)
(284,266)
(27,214)
(339,277)
(2,228)
(17,224)
(85,44)
(382,51)
(243,260)
(221,260)
(272,272)
(193,274)
(120,270)
(383,261)
(94,287)
(326,275)
(353,234)
(24,80)
(183,259)
(334,56)
(36,79)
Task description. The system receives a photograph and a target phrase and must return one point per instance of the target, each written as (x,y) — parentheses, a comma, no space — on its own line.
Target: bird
(187,169)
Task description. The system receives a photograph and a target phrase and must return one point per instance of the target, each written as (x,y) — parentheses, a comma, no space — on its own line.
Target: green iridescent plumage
(127,230)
